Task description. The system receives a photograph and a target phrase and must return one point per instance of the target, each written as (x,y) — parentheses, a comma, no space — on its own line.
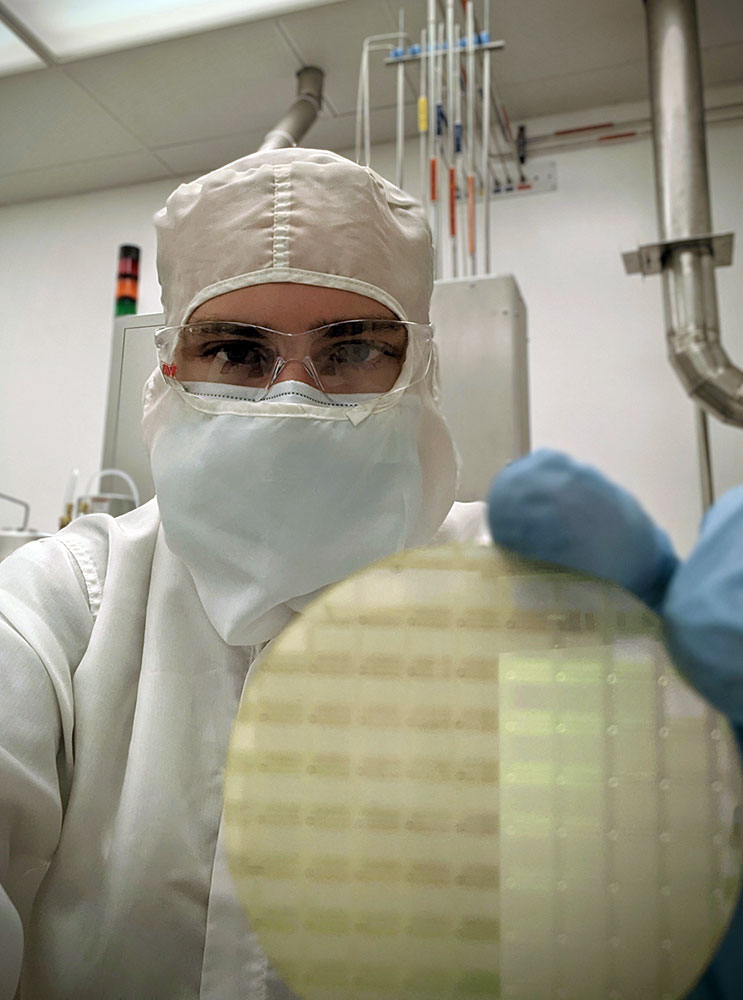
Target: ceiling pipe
(290,129)
(688,252)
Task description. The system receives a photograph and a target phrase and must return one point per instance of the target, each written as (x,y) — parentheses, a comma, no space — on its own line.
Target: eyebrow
(316,325)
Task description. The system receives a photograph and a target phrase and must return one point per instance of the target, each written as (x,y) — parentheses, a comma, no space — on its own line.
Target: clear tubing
(360,104)
(440,150)
(423,122)
(499,106)
(502,157)
(22,503)
(471,242)
(374,43)
(433,181)
(457,93)
(458,131)
(450,96)
(69,494)
(400,143)
(486,137)
(96,477)
(505,127)
(440,117)
(367,111)
(507,136)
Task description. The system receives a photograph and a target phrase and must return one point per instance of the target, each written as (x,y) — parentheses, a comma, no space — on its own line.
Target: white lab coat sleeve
(45,624)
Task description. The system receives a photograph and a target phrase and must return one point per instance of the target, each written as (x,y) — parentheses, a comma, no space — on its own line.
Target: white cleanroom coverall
(118,699)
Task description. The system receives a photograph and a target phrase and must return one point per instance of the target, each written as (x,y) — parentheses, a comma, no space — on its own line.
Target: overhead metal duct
(688,251)
(302,113)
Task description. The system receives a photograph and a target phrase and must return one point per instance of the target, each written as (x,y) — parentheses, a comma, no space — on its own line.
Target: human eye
(230,352)
(247,356)
(363,344)
(355,352)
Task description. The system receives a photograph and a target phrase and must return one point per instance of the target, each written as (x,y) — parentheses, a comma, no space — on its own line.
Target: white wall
(601,386)
(57,288)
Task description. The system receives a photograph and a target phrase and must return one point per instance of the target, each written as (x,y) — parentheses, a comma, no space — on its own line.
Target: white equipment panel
(133,359)
(481,335)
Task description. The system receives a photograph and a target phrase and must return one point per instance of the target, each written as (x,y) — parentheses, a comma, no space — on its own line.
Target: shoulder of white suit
(86,545)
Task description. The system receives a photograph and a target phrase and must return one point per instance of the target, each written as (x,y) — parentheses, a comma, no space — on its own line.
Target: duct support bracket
(651,257)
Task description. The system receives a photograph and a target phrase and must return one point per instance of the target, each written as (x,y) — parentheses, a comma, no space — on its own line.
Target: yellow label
(423,114)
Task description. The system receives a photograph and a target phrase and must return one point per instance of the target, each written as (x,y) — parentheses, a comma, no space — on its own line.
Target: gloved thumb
(550,507)
(703,611)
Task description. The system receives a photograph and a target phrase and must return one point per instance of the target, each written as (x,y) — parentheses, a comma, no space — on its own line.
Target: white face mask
(266,503)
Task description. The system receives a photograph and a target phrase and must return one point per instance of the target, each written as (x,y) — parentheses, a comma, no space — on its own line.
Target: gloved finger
(703,610)
(550,507)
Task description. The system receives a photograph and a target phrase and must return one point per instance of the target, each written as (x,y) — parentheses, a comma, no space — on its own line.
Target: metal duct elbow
(693,334)
(302,113)
(687,253)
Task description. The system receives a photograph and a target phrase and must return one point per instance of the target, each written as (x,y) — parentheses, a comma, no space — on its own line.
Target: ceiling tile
(339,133)
(208,154)
(545,40)
(720,23)
(196,87)
(573,91)
(332,38)
(723,64)
(72,30)
(46,119)
(336,133)
(76,178)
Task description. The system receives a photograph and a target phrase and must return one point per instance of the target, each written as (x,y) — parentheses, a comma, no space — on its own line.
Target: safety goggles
(350,361)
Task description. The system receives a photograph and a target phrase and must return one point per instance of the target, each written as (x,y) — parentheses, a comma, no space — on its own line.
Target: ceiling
(186,105)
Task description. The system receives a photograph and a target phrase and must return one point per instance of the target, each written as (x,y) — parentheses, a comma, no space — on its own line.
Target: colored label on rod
(423,114)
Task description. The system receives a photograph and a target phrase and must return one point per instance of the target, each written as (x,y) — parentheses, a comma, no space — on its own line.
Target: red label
(169,370)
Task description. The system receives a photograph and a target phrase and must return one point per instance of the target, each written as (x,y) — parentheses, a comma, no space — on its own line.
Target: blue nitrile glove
(703,618)
(703,610)
(551,508)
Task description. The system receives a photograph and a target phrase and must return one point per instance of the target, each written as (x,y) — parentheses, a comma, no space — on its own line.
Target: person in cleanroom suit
(295,437)
(552,508)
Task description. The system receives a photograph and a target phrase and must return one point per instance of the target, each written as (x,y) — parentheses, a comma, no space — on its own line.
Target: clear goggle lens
(364,357)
